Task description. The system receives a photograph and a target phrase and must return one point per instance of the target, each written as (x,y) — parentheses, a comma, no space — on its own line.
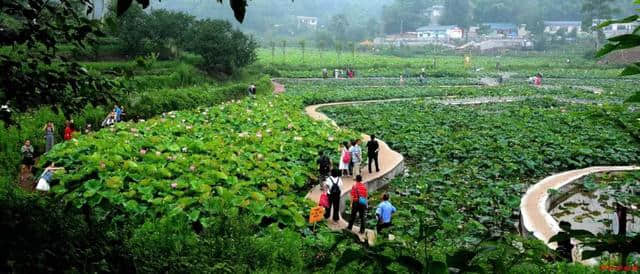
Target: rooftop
(563,23)
(435,28)
(500,25)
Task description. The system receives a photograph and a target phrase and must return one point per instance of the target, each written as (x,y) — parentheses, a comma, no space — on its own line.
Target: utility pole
(401,26)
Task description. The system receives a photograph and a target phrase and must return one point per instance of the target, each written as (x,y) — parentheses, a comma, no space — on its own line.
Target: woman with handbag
(358,203)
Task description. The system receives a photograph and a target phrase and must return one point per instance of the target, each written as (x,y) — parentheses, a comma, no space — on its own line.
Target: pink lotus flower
(290,126)
(174,185)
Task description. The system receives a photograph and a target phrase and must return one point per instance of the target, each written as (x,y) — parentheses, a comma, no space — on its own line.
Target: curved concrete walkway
(534,204)
(391,162)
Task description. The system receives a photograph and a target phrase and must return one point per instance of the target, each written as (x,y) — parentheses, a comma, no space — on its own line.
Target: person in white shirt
(334,189)
(356,158)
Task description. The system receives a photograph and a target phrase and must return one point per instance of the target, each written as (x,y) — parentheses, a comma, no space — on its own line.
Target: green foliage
(238,6)
(457,12)
(468,165)
(35,73)
(161,31)
(251,156)
(223,48)
(44,236)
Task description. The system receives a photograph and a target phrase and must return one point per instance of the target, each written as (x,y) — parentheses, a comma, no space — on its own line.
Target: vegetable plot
(249,156)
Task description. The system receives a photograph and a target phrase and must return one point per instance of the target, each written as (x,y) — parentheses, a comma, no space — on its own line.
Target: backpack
(335,189)
(361,199)
(347,157)
(325,164)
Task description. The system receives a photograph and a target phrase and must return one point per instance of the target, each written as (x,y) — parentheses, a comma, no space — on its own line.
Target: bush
(44,236)
(222,48)
(170,245)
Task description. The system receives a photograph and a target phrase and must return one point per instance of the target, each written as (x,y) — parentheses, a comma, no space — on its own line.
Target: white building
(439,32)
(617,29)
(307,21)
(553,27)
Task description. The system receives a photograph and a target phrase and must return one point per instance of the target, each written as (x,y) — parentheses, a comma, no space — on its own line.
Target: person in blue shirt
(384,212)
(118,112)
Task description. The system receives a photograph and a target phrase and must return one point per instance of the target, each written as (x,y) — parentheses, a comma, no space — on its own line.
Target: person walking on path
(333,185)
(324,200)
(358,203)
(49,136)
(538,80)
(384,212)
(45,178)
(252,91)
(27,155)
(68,131)
(356,157)
(324,166)
(325,73)
(110,120)
(345,159)
(118,111)
(372,152)
(350,144)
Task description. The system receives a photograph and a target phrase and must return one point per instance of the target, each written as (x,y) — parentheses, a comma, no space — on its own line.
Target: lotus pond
(469,165)
(249,156)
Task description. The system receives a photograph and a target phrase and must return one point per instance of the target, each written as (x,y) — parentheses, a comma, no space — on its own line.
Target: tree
(404,15)
(223,48)
(338,26)
(302,44)
(457,12)
(34,73)
(239,7)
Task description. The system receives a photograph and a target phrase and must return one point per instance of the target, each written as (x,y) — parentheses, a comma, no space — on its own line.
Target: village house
(307,21)
(503,30)
(552,27)
(616,29)
(441,33)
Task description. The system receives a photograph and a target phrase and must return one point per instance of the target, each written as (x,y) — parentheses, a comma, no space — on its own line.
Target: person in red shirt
(68,131)
(358,203)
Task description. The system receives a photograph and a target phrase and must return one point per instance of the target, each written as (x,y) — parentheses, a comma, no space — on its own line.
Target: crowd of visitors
(332,184)
(339,73)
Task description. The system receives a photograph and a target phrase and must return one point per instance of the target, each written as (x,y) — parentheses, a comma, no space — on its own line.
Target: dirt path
(277,87)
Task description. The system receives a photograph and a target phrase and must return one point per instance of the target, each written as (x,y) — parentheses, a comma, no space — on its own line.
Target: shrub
(222,48)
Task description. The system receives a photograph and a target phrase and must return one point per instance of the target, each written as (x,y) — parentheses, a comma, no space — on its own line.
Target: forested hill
(263,15)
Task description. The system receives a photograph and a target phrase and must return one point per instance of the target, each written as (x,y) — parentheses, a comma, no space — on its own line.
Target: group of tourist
(330,200)
(350,159)
(350,165)
(115,116)
(339,73)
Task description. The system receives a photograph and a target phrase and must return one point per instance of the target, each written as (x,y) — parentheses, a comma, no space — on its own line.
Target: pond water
(593,211)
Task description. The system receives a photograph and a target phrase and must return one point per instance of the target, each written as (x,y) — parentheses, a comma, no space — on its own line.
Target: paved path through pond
(533,206)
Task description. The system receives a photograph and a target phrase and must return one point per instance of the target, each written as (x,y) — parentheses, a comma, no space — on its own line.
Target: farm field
(293,65)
